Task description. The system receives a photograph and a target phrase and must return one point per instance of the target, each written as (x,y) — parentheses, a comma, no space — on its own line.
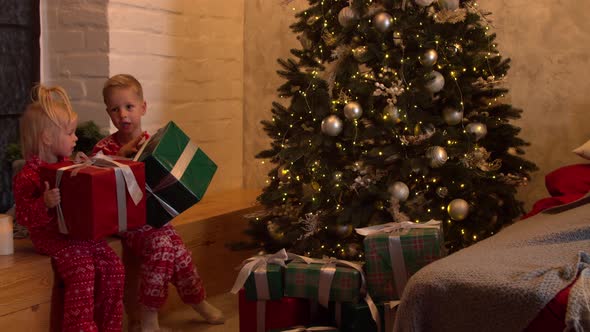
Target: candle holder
(6,235)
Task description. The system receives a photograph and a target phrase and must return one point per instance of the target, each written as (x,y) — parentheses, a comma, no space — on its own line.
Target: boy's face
(125,108)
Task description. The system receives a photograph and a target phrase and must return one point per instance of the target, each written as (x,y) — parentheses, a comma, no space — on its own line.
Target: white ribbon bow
(396,227)
(258,264)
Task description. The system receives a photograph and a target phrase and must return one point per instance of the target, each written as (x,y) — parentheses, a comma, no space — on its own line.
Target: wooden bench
(26,278)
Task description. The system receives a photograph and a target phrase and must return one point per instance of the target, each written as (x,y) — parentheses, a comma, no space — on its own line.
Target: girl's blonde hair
(49,112)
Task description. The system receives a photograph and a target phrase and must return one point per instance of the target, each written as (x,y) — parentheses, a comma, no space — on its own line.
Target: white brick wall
(74,52)
(188,54)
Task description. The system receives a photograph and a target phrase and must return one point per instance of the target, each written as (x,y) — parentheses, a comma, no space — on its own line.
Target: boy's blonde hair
(122,81)
(49,112)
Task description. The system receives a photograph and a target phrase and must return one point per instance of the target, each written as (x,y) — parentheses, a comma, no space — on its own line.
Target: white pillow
(583,151)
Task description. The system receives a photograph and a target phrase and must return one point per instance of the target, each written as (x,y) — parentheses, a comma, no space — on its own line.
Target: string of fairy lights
(316,172)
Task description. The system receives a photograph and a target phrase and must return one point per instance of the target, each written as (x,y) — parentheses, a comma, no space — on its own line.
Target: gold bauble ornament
(458,209)
(392,112)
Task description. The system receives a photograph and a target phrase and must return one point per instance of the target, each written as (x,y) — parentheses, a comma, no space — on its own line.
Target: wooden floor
(185,319)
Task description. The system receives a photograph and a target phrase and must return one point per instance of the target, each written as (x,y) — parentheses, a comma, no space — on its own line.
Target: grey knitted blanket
(501,283)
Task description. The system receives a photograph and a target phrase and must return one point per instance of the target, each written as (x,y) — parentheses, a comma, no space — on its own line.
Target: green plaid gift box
(416,248)
(177,173)
(303,280)
(274,275)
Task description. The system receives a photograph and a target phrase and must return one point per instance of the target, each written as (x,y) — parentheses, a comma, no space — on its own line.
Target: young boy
(163,256)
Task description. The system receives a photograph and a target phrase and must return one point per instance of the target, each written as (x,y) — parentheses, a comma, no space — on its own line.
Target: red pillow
(572,179)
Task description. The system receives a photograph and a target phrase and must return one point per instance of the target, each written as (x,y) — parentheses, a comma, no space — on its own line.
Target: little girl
(91,271)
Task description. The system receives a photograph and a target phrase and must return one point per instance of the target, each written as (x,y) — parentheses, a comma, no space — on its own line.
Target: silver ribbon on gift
(174,176)
(327,273)
(124,178)
(257,265)
(395,230)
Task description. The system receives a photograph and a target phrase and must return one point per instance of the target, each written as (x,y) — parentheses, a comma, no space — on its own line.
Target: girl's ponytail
(49,104)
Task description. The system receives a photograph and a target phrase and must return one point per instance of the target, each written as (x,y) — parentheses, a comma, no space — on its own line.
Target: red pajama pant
(92,273)
(164,258)
(93,276)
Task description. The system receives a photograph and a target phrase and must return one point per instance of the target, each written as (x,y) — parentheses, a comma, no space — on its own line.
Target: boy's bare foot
(210,313)
(149,320)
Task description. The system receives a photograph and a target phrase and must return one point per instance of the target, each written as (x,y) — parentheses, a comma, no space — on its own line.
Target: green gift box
(396,251)
(303,280)
(274,274)
(177,173)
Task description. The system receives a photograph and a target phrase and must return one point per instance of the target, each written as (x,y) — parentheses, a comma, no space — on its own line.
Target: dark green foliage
(88,135)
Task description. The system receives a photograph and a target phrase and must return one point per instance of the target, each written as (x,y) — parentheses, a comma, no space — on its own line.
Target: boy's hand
(51,196)
(131,148)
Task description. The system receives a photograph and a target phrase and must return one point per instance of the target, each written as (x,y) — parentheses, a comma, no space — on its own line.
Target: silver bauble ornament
(452,116)
(458,209)
(274,231)
(347,17)
(383,22)
(332,125)
(478,129)
(399,191)
(437,155)
(283,173)
(429,58)
(423,3)
(393,113)
(337,176)
(448,4)
(353,110)
(361,53)
(340,231)
(435,82)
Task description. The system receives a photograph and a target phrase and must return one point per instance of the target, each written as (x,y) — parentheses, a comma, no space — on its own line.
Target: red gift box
(92,202)
(282,313)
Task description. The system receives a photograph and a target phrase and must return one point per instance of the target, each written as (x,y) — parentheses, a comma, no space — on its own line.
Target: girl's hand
(51,196)
(131,148)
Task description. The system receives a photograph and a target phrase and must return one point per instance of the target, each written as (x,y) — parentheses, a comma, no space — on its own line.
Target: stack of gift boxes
(104,195)
(286,292)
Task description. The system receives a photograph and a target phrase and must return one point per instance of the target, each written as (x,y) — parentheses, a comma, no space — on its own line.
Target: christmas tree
(392,110)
